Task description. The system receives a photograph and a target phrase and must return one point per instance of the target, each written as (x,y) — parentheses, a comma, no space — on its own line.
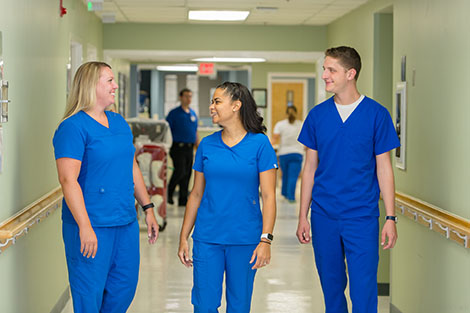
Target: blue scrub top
(345,183)
(183,125)
(230,212)
(106,173)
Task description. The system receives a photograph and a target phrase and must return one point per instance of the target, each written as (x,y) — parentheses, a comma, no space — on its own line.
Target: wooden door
(282,93)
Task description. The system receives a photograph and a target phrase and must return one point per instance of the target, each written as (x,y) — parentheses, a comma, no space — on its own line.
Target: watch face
(267,236)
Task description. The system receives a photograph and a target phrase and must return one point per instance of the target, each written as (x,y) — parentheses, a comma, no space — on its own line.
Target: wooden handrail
(19,224)
(453,227)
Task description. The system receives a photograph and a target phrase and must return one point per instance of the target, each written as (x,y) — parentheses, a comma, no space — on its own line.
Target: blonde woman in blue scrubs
(100,178)
(232,235)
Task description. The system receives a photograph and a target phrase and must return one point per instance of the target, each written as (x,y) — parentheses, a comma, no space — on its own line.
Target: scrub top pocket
(361,148)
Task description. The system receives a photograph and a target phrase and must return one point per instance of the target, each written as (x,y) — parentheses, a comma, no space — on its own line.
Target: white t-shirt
(289,133)
(345,110)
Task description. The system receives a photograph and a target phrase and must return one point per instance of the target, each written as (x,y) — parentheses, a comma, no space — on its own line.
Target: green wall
(35,53)
(383,59)
(213,37)
(434,37)
(259,71)
(428,272)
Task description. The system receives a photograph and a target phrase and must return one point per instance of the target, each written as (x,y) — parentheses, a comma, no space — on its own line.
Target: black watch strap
(148,206)
(391,217)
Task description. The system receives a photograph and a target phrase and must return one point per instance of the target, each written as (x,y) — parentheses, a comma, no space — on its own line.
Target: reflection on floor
(289,284)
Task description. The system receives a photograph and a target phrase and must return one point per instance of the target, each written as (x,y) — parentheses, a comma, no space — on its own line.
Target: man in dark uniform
(183,125)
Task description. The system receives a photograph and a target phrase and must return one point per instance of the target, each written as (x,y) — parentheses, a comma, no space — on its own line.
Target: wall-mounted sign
(206,69)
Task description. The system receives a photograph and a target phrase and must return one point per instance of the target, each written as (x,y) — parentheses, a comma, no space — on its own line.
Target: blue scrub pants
(210,261)
(291,165)
(108,282)
(357,240)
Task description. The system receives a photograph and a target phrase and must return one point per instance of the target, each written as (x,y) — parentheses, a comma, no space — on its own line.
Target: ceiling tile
(289,12)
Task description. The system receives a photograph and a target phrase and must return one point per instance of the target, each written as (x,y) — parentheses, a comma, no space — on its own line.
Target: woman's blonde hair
(83,93)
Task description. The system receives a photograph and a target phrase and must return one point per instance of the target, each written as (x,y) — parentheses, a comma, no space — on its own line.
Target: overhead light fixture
(178,68)
(108,18)
(218,15)
(237,60)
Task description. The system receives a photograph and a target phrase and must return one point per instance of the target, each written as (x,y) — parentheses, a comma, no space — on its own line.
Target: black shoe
(170,201)
(162,227)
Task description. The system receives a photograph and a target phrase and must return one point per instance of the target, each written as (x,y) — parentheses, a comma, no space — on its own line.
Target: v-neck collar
(107,117)
(235,145)
(351,116)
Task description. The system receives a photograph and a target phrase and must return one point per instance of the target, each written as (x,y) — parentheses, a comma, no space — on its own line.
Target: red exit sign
(206,69)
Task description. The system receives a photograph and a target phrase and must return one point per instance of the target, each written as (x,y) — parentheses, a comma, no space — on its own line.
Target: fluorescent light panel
(237,60)
(218,15)
(108,18)
(178,68)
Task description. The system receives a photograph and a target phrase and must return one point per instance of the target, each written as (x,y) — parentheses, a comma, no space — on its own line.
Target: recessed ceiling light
(178,68)
(218,15)
(238,60)
(108,18)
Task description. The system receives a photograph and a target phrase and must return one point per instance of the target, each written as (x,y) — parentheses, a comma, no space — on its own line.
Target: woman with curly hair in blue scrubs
(232,235)
(100,178)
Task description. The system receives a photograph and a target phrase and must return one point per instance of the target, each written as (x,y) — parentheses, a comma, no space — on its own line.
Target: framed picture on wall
(400,124)
(259,94)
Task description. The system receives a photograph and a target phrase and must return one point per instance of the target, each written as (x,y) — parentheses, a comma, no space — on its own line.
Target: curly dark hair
(249,115)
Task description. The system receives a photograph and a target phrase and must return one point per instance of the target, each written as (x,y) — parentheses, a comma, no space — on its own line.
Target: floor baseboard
(62,301)
(393,309)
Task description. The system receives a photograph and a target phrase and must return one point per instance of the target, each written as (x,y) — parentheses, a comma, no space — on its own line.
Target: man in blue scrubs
(349,137)
(183,125)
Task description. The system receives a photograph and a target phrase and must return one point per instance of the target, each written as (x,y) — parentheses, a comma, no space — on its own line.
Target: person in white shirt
(290,151)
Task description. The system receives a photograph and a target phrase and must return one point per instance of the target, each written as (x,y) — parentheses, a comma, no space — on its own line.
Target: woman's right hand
(88,242)
(183,253)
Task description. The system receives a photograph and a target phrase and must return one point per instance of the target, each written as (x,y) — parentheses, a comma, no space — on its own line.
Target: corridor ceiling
(262,12)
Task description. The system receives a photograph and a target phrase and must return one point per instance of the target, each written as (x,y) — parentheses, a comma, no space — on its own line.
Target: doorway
(285,89)
(286,93)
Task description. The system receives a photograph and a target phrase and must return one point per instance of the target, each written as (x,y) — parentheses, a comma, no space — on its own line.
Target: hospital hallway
(152,53)
(289,284)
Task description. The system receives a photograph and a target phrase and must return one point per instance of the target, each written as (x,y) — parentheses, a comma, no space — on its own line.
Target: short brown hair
(185,90)
(347,57)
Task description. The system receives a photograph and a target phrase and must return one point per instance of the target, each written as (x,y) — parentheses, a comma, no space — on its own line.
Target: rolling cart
(152,160)
(152,140)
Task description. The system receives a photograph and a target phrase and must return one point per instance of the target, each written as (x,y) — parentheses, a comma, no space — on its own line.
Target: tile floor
(289,284)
